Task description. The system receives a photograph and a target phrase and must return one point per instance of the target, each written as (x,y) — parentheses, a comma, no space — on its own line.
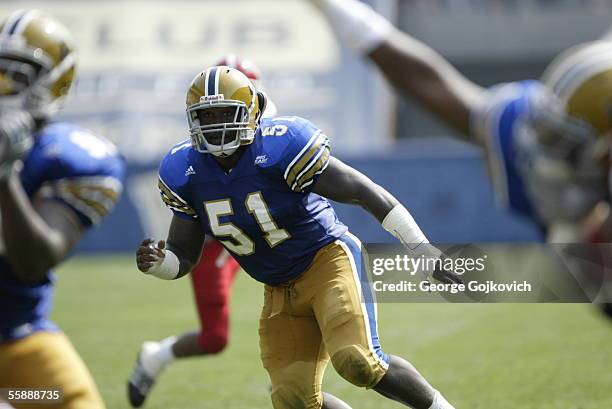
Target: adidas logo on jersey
(260,160)
(190,171)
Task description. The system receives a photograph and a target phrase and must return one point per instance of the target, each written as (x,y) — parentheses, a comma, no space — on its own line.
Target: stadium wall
(442,182)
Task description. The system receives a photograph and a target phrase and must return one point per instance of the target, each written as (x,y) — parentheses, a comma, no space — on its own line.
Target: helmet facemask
(557,134)
(18,77)
(219,126)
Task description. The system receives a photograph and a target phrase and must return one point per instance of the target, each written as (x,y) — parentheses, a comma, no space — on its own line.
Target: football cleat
(140,382)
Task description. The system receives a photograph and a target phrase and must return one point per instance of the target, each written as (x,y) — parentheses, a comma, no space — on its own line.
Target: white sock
(156,355)
(440,403)
(356,24)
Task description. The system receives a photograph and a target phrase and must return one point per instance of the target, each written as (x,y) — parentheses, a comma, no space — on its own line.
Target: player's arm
(38,235)
(421,73)
(411,66)
(308,166)
(180,252)
(175,257)
(341,183)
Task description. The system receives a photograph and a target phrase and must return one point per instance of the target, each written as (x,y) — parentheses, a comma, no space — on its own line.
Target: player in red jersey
(212,281)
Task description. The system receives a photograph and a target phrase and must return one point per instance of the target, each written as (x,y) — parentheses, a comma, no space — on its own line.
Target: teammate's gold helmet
(581,79)
(37,62)
(223,88)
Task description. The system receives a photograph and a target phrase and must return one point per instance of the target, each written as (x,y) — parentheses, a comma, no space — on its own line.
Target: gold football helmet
(581,78)
(223,110)
(570,118)
(37,62)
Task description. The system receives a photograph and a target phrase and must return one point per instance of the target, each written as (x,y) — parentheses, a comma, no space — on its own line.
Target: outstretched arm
(409,65)
(341,183)
(175,257)
(419,72)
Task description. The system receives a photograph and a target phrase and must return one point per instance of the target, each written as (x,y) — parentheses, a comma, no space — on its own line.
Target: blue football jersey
(80,170)
(498,122)
(263,211)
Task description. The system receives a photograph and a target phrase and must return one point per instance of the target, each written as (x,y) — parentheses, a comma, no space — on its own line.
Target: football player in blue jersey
(56,181)
(259,186)
(547,142)
(212,279)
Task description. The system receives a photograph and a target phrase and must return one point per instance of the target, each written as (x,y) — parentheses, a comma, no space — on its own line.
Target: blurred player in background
(56,181)
(248,68)
(212,279)
(547,142)
(259,187)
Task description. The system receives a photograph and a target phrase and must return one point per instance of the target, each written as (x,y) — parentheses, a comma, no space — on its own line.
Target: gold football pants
(46,360)
(327,313)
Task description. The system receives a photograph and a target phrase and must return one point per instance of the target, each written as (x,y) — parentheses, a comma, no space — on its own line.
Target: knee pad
(288,396)
(357,366)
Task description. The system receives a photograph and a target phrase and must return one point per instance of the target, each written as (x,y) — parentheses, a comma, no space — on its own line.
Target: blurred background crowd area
(137,57)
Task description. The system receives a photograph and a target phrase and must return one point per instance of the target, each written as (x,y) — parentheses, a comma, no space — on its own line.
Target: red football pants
(212,281)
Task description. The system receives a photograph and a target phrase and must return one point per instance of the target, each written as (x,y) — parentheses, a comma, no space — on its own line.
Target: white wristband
(167,268)
(400,223)
(440,403)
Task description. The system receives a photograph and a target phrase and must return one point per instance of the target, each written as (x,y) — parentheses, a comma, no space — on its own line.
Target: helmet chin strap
(221,152)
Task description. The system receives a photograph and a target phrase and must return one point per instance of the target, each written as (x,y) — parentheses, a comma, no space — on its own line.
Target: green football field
(503,356)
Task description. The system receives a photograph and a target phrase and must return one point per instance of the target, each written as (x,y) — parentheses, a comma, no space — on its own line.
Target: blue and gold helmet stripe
(23,22)
(577,75)
(212,81)
(12,22)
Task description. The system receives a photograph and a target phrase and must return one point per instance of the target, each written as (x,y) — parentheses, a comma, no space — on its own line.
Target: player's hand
(430,252)
(446,276)
(150,254)
(16,137)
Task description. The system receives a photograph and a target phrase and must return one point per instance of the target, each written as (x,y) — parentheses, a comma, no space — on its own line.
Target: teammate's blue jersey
(498,122)
(263,211)
(81,171)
